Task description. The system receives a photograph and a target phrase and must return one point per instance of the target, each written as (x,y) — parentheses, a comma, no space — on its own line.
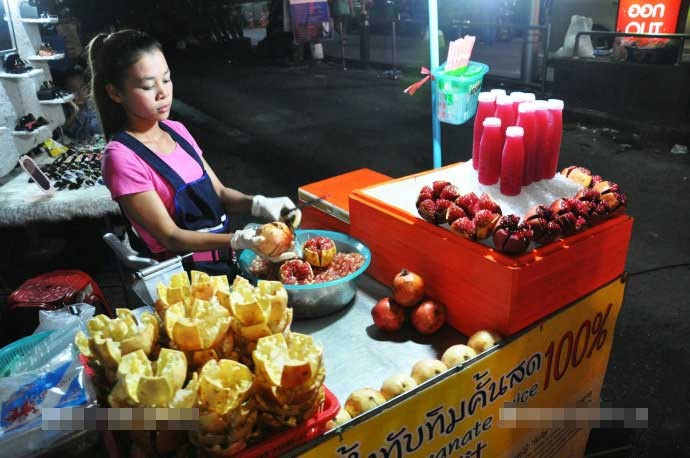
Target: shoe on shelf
(15,64)
(28,123)
(45,94)
(46,50)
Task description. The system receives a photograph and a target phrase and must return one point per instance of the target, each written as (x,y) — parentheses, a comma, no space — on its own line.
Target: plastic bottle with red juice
(485,109)
(512,161)
(490,148)
(542,116)
(504,111)
(555,107)
(517,98)
(527,120)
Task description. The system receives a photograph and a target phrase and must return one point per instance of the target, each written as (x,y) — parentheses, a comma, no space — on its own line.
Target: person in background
(341,10)
(155,169)
(81,120)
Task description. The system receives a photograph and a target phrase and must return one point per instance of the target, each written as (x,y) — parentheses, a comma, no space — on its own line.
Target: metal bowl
(319,299)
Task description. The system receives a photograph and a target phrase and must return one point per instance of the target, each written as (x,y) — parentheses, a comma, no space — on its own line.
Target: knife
(288,215)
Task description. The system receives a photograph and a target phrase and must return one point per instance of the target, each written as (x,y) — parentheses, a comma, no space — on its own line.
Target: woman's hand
(272,208)
(246,239)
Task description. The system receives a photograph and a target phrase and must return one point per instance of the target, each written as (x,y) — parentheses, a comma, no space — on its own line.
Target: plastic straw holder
(457,92)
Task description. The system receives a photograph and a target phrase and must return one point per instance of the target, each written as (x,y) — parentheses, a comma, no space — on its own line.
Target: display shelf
(40,20)
(15,76)
(58,101)
(57,56)
(32,133)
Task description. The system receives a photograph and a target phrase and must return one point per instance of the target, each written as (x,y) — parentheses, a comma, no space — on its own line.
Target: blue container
(15,352)
(457,92)
(319,299)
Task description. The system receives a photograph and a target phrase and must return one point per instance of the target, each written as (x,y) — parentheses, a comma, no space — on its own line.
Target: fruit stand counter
(558,362)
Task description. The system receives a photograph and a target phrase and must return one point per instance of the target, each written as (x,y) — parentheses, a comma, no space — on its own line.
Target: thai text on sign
(648,16)
(487,408)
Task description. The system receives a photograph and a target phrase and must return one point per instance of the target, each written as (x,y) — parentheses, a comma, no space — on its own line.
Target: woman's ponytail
(110,56)
(106,107)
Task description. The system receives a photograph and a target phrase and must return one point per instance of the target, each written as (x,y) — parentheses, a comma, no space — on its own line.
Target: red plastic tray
(283,441)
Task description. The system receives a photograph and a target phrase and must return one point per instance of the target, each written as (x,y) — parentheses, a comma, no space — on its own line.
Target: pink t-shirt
(124,172)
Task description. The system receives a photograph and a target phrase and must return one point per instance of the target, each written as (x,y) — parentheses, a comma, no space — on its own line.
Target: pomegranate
(612,196)
(277,239)
(296,272)
(428,317)
(540,220)
(319,251)
(511,236)
(387,315)
(453,213)
(579,175)
(408,288)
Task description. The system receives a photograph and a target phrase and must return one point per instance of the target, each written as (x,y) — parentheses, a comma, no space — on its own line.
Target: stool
(50,291)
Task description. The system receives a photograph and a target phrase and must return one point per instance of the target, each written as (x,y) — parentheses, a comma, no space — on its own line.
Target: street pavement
(271,128)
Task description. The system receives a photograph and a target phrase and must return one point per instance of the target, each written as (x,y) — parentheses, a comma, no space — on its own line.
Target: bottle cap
(541,105)
(498,92)
(487,97)
(504,100)
(526,107)
(515,131)
(492,122)
(555,104)
(530,97)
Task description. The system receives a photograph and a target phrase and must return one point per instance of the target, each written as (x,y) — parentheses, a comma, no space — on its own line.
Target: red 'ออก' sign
(648,16)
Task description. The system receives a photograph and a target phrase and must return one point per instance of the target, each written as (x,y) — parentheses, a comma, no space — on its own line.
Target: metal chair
(144,273)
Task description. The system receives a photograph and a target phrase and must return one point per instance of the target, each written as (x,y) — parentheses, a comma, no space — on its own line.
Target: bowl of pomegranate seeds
(320,282)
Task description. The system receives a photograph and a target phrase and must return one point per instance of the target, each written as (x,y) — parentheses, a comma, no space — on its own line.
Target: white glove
(246,239)
(271,209)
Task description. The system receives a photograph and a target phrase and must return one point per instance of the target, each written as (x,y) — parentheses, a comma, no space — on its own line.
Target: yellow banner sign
(471,413)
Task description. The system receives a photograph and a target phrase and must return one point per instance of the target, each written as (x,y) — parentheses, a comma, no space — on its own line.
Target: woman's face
(148,90)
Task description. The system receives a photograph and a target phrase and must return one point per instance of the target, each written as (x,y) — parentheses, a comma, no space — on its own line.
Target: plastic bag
(57,319)
(585,49)
(48,374)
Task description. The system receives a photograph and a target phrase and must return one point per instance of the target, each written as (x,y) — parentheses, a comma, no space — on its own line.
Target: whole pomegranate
(408,288)
(387,315)
(277,239)
(428,317)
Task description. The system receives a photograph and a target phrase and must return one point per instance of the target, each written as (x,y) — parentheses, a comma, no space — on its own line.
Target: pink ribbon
(413,87)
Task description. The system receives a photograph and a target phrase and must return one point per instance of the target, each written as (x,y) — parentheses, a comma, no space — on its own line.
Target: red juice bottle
(517,97)
(555,135)
(512,161)
(527,120)
(541,112)
(504,111)
(498,92)
(490,152)
(485,109)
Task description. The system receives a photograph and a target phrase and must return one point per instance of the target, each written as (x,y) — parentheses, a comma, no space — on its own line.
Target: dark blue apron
(197,206)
